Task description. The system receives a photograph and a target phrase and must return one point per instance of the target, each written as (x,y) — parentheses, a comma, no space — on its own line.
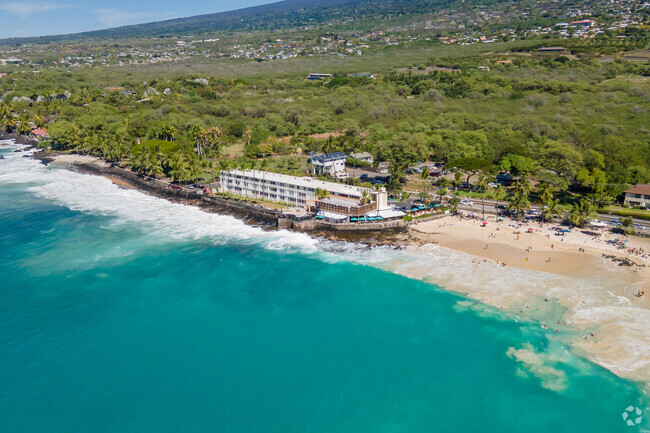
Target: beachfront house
(339,202)
(40,133)
(638,195)
(332,164)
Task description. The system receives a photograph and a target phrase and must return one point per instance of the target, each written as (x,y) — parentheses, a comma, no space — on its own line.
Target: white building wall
(298,191)
(637,199)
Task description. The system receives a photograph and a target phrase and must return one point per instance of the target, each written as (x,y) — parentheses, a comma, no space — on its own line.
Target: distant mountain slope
(284,14)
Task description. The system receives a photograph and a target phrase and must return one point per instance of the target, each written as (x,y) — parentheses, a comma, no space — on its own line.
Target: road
(490,204)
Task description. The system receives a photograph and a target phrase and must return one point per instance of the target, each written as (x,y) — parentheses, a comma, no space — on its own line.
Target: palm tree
(519,202)
(424,176)
(441,193)
(321,194)
(166,132)
(224,164)
(198,133)
(365,197)
(454,201)
(177,167)
(498,195)
(628,224)
(545,193)
(581,212)
(551,210)
(483,185)
(601,199)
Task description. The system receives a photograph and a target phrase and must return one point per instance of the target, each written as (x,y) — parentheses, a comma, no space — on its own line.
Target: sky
(52,17)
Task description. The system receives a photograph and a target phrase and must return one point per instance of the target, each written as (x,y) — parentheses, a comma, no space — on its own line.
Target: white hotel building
(300,191)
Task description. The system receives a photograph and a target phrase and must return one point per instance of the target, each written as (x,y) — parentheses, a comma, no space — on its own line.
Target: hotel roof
(306,182)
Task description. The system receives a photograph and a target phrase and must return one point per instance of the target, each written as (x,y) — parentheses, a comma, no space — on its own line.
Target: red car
(176,188)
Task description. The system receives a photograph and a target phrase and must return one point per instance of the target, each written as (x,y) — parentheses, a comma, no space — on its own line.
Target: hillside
(281,15)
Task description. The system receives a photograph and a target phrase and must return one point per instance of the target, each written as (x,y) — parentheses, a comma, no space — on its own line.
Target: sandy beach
(569,287)
(510,243)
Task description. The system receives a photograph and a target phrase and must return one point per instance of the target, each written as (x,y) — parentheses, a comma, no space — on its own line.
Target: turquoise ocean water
(124,313)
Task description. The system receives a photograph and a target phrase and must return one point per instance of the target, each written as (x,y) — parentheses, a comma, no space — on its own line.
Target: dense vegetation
(269,17)
(575,123)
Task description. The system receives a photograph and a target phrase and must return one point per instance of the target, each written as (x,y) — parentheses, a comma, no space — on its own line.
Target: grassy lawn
(625,212)
(165,146)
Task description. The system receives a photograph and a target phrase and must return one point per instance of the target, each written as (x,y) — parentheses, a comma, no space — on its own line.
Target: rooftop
(307,182)
(640,188)
(340,201)
(329,157)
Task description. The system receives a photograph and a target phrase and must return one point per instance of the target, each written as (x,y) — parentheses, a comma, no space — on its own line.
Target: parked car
(383,171)
(492,184)
(363,176)
(176,188)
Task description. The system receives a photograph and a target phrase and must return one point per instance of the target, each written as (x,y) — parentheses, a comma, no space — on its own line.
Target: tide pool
(113,323)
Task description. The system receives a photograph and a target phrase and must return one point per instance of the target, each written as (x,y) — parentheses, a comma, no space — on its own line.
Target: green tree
(519,202)
(581,212)
(545,192)
(498,194)
(483,185)
(424,176)
(322,193)
(471,166)
(550,210)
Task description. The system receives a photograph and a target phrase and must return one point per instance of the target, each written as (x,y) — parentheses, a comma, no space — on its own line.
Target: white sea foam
(98,195)
(589,301)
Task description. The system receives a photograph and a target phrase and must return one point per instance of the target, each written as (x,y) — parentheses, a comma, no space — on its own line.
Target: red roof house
(41,132)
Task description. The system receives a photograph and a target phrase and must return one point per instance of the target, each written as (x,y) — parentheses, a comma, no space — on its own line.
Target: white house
(332,164)
(638,195)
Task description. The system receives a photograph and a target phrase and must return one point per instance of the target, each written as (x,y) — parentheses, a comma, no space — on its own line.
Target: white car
(467,203)
(383,171)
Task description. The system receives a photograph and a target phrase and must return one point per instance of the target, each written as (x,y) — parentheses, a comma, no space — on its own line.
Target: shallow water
(123,312)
